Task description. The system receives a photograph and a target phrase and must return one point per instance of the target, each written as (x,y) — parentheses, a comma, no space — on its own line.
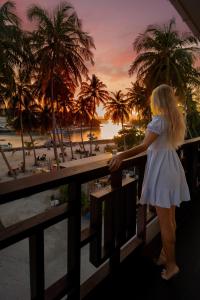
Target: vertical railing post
(116,185)
(36,255)
(74,237)
(142,209)
(192,167)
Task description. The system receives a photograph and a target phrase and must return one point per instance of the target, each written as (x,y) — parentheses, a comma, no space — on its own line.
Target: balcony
(120,237)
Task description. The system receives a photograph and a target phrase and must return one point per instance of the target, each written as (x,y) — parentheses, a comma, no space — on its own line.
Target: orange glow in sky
(114,25)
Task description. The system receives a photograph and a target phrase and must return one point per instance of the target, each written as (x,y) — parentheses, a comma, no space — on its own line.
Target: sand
(15,159)
(15,285)
(24,208)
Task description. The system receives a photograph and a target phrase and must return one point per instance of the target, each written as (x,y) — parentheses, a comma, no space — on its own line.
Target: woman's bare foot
(170,272)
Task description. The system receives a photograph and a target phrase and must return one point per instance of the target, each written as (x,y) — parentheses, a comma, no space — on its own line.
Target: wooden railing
(116,220)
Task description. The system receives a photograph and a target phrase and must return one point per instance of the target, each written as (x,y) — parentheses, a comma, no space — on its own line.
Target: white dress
(164,182)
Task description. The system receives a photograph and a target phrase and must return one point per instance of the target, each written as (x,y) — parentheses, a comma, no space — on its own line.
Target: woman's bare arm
(116,161)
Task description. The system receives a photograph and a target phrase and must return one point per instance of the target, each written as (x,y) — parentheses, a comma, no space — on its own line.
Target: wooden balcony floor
(139,278)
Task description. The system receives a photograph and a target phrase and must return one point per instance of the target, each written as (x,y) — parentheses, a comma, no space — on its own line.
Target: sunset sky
(114,25)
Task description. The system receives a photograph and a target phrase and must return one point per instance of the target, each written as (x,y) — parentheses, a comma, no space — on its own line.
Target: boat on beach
(6,146)
(4,130)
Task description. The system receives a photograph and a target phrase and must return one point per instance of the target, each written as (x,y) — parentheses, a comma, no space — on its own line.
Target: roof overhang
(190,13)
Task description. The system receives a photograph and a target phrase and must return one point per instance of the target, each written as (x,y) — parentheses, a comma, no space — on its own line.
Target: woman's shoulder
(158,117)
(157,124)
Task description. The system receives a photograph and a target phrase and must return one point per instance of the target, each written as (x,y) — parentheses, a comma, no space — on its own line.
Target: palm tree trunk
(70,142)
(60,140)
(91,128)
(33,147)
(123,134)
(90,138)
(54,124)
(82,136)
(7,163)
(23,168)
(61,143)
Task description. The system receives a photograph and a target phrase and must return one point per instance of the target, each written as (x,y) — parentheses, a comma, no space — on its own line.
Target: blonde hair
(163,102)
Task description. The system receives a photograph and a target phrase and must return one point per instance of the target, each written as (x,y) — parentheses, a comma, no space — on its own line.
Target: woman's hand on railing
(115,163)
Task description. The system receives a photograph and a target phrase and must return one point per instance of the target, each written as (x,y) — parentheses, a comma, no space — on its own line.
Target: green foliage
(165,56)
(139,100)
(85,203)
(109,148)
(63,198)
(133,136)
(193,120)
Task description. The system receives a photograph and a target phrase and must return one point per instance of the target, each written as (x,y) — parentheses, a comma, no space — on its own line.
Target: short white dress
(164,182)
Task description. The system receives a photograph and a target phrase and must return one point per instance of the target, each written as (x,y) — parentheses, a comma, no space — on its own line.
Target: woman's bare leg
(173,216)
(167,228)
(162,257)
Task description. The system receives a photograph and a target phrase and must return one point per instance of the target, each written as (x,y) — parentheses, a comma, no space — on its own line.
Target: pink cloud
(114,26)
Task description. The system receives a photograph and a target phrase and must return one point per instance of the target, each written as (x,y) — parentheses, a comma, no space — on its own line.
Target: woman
(164,184)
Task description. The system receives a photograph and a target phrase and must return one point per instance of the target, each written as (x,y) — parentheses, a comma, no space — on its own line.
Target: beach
(27,207)
(16,256)
(15,158)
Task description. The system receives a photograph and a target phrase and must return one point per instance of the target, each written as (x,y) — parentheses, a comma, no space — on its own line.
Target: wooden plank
(96,225)
(26,228)
(74,239)
(2,228)
(36,255)
(27,186)
(142,209)
(89,285)
(104,196)
(130,248)
(114,227)
(141,221)
(87,160)
(108,228)
(87,235)
(130,199)
(103,272)
(116,184)
(59,289)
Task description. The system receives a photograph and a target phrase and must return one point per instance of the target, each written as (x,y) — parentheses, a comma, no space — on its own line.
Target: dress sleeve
(156,125)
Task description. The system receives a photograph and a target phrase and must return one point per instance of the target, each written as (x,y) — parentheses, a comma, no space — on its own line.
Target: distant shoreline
(66,144)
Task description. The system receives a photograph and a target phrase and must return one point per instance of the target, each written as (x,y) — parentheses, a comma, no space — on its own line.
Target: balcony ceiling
(190,13)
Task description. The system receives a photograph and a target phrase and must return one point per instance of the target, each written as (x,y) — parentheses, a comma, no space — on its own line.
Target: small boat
(6,146)
(4,129)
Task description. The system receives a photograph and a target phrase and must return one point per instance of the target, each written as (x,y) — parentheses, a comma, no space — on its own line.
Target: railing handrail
(122,220)
(23,187)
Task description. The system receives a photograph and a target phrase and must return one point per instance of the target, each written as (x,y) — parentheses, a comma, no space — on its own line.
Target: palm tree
(82,114)
(44,115)
(165,56)
(192,114)
(10,46)
(7,163)
(28,116)
(138,100)
(21,102)
(60,47)
(117,110)
(67,116)
(96,93)
(65,109)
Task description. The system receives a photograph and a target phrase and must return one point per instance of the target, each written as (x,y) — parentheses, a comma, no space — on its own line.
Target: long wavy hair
(164,103)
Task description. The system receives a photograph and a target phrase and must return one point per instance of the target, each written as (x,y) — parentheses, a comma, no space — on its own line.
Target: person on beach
(164,184)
